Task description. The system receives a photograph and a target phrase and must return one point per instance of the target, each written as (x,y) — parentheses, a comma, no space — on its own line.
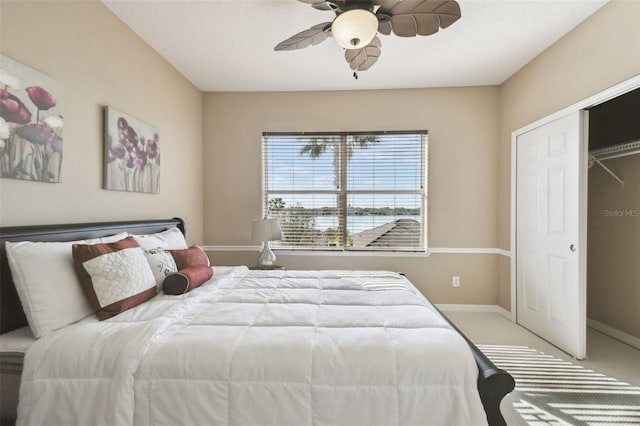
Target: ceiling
(227,45)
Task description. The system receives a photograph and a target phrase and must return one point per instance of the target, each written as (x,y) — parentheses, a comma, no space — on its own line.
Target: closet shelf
(599,155)
(615,151)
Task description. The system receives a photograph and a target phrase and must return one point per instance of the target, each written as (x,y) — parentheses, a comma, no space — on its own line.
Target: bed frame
(493,383)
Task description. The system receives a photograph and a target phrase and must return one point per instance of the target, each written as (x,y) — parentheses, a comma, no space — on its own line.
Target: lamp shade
(265,230)
(354,28)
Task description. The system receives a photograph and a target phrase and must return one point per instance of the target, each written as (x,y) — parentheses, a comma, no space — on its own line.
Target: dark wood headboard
(11,313)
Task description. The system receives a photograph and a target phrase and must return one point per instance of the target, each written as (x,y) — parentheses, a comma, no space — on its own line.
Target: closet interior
(613,252)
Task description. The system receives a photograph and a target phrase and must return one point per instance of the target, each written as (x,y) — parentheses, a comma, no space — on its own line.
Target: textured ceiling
(227,45)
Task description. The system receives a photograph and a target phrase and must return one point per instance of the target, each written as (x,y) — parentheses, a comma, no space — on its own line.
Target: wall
(613,290)
(102,62)
(462,125)
(599,53)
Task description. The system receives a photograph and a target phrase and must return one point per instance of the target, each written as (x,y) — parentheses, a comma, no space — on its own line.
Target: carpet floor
(552,391)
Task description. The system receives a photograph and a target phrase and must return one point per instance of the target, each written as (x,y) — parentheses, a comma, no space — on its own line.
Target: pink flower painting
(132,154)
(31,122)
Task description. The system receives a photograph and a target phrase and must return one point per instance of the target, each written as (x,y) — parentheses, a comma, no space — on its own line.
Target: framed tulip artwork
(131,154)
(31,122)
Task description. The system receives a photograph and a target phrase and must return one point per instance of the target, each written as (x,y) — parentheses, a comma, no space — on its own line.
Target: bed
(248,347)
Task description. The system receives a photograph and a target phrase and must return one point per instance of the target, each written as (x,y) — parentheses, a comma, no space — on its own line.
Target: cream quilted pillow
(115,276)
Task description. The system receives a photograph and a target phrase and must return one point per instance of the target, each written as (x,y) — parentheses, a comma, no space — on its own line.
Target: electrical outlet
(455,281)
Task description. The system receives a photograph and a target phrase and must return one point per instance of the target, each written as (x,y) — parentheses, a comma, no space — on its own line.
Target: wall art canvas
(132,154)
(31,122)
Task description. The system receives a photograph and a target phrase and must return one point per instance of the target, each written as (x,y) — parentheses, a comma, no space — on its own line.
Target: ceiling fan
(358,21)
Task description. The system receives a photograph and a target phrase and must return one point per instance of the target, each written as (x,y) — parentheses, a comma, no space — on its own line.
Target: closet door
(550,242)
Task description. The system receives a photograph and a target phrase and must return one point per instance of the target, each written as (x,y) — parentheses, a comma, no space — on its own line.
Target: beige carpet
(552,391)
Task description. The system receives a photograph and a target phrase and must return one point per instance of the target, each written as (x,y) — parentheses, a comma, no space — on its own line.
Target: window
(347,191)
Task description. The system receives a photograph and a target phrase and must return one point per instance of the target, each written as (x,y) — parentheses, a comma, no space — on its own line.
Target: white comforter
(259,348)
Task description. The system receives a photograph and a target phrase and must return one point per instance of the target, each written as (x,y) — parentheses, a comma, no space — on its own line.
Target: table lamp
(264,231)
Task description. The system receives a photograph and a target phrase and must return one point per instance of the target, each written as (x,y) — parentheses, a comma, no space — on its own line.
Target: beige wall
(462,124)
(613,296)
(102,62)
(601,52)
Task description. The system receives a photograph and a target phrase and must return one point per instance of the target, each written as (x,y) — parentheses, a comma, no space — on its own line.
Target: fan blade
(325,4)
(362,59)
(314,35)
(410,18)
(384,27)
(449,13)
(413,25)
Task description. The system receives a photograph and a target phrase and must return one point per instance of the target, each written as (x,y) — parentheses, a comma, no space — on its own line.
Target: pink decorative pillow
(186,279)
(194,269)
(191,256)
(115,276)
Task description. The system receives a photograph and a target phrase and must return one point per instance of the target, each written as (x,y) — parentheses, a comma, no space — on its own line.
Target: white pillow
(47,284)
(161,263)
(171,239)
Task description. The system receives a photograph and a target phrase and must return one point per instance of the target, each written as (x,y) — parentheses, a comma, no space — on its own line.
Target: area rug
(552,391)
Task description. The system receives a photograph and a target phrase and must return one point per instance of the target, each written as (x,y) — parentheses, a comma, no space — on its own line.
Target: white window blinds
(347,191)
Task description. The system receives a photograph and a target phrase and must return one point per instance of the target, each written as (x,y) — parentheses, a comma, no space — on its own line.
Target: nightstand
(267,268)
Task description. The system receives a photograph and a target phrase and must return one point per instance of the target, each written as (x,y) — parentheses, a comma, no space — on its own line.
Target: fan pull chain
(355,75)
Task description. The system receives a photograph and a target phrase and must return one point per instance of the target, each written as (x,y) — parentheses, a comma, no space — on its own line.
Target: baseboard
(474,308)
(616,334)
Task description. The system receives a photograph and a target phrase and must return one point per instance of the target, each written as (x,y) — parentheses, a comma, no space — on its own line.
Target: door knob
(572,247)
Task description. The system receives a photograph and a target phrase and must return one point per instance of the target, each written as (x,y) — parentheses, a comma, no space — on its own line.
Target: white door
(550,242)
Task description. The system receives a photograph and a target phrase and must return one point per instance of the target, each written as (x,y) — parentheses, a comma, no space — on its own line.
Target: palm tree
(317,145)
(276,204)
(342,149)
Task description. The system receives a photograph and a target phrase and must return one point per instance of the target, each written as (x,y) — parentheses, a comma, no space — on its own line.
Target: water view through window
(347,191)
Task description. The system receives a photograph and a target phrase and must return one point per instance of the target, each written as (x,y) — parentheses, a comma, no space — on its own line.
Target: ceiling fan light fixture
(354,28)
